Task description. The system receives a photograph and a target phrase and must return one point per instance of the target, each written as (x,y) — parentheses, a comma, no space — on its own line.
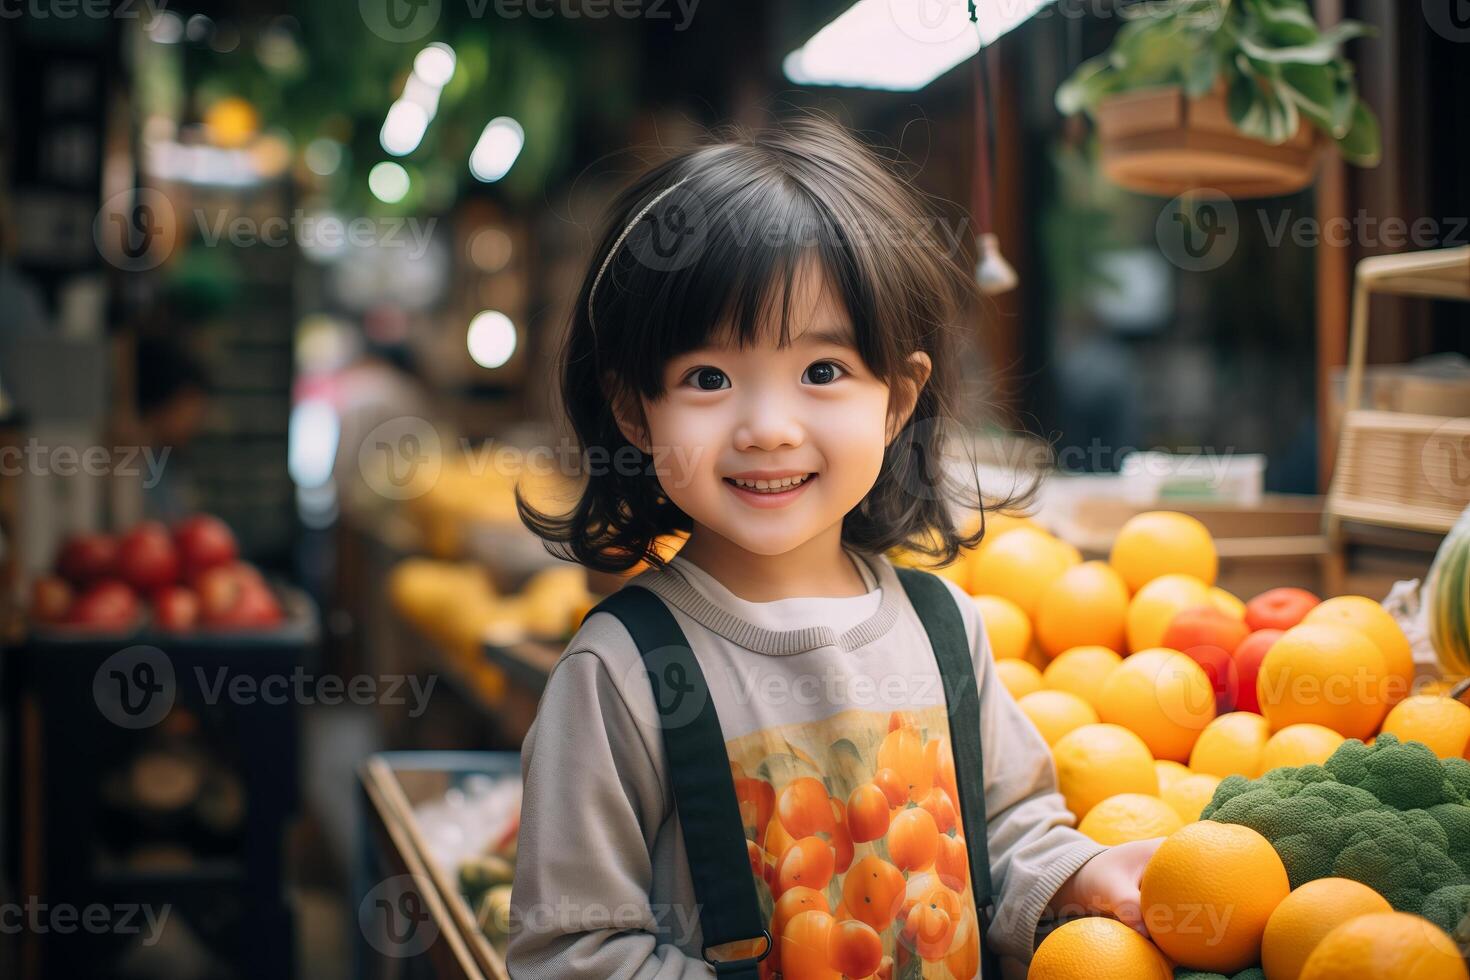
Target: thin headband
(592,294)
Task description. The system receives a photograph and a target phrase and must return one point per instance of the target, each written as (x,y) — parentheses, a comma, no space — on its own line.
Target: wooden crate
(392,784)
(1278,543)
(1410,471)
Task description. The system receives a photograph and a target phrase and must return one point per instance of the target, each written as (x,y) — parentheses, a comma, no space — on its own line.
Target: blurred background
(281,284)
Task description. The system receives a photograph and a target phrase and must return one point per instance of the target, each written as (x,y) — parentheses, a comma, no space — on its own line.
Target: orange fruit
(867,813)
(941,808)
(903,752)
(841,840)
(1019,677)
(913,839)
(1081,671)
(854,949)
(1441,723)
(1129,817)
(1169,773)
(1325,675)
(805,945)
(1095,948)
(1163,696)
(1231,745)
(1208,893)
(810,862)
(1386,946)
(1190,795)
(1155,605)
(792,902)
(1163,542)
(803,808)
(1095,762)
(873,891)
(963,958)
(895,790)
(1086,606)
(1363,614)
(1299,745)
(952,864)
(1306,916)
(1006,626)
(1020,565)
(1227,602)
(1055,713)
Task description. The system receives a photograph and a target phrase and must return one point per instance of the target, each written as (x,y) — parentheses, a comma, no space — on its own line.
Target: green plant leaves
(1363,143)
(1279,67)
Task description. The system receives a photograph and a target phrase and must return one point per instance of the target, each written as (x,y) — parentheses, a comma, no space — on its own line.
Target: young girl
(761,356)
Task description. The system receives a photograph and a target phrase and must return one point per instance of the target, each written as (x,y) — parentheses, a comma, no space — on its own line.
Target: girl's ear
(905,394)
(628,413)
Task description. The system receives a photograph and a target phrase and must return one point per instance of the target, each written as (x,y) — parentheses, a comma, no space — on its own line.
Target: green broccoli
(1390,815)
(1253,973)
(1449,908)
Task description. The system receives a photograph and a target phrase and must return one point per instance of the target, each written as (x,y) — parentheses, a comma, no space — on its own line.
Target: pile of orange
(1151,685)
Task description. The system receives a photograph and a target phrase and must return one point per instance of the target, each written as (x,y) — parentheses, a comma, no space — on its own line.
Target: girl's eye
(822,373)
(707,379)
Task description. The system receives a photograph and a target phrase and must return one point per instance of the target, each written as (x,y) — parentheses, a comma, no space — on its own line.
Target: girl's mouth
(769,492)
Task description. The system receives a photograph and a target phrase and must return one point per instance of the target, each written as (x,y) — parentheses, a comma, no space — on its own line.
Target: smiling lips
(769,489)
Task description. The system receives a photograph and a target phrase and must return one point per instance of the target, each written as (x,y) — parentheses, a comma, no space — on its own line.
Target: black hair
(715,256)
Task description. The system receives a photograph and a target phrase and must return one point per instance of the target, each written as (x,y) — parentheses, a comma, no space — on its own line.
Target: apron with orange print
(850,847)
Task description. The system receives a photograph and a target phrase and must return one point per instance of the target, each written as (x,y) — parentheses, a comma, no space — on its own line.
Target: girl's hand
(1108,885)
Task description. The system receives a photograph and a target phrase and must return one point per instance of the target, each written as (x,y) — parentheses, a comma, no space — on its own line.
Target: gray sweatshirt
(806,689)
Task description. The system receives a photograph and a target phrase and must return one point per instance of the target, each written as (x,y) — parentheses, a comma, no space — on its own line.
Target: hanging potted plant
(1234,96)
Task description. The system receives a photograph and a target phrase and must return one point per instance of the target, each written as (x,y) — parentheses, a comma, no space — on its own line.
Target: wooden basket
(1157,141)
(1402,470)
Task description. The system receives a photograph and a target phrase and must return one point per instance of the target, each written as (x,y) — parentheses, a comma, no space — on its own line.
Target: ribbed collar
(689,597)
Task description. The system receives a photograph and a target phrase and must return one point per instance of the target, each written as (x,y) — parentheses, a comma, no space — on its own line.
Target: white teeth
(771,486)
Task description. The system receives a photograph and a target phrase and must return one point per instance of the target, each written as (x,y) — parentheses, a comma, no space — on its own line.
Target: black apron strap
(943,622)
(704,793)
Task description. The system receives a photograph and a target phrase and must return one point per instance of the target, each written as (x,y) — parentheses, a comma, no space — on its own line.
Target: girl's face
(766,446)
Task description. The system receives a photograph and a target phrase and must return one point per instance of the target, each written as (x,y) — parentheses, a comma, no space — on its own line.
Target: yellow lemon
(1299,745)
(1227,602)
(1019,677)
(1326,675)
(1019,566)
(1368,617)
(1156,604)
(1095,762)
(1208,893)
(1163,542)
(1081,671)
(1190,795)
(1006,626)
(1055,713)
(1129,817)
(1231,745)
(1169,773)
(1386,946)
(1095,948)
(1443,724)
(1306,916)
(1086,606)
(1164,697)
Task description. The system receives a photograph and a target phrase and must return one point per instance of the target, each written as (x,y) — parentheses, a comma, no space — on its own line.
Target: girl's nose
(768,425)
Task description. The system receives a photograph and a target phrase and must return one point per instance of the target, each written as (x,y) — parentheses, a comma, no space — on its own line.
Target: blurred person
(172,402)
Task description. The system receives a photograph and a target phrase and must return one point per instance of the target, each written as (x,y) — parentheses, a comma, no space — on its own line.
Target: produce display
(1314,804)
(471,833)
(187,578)
(457,603)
